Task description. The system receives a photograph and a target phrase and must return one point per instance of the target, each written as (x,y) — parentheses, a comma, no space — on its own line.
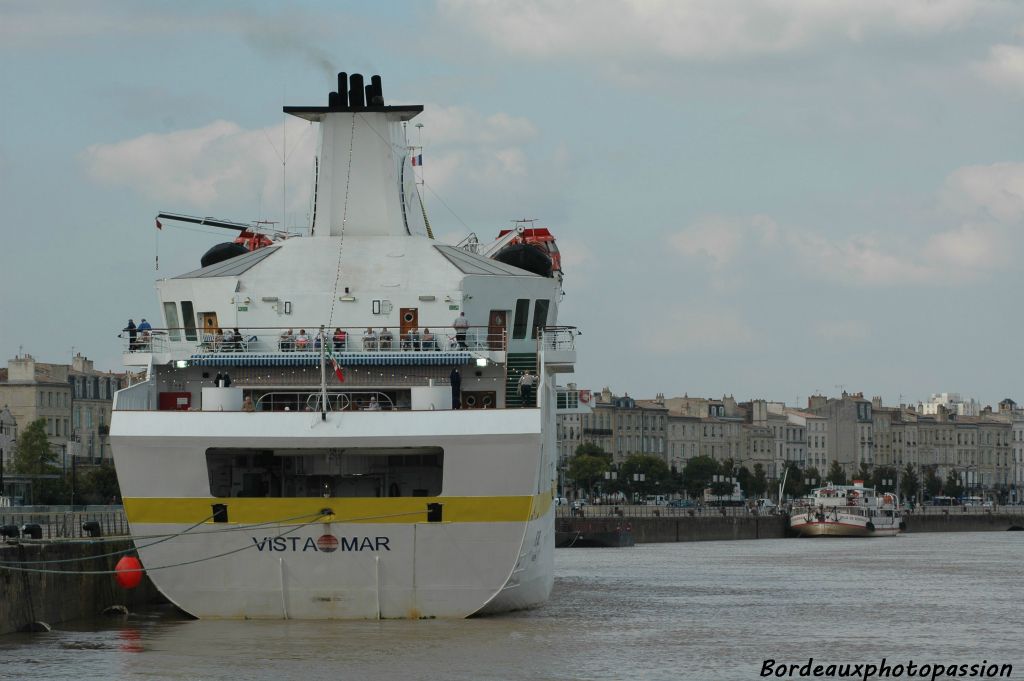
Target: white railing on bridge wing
(559,338)
(297,339)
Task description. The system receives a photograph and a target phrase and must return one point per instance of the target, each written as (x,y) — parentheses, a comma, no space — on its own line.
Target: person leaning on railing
(287,342)
(340,339)
(369,339)
(427,340)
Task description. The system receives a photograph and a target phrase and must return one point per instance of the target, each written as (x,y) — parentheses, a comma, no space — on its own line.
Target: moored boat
(846,511)
(353,423)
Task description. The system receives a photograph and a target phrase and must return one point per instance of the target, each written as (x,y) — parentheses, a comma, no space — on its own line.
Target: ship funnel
(365,183)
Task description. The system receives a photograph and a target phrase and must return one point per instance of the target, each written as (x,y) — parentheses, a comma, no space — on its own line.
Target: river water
(708,610)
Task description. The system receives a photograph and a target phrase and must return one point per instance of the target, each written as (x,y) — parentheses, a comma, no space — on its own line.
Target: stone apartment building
(74,400)
(985,451)
(623,426)
(849,429)
(8,435)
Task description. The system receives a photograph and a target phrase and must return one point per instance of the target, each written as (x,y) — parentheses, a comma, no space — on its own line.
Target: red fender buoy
(128,572)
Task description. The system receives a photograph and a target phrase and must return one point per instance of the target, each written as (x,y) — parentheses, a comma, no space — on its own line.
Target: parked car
(681,503)
(561,501)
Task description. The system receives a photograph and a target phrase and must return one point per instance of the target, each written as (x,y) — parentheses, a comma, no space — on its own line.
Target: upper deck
(281,369)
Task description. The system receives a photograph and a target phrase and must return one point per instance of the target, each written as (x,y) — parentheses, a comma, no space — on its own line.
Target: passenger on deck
(526,382)
(387,339)
(321,337)
(145,333)
(461,325)
(131,335)
(455,378)
(340,339)
(369,339)
(234,342)
(287,341)
(301,341)
(247,404)
(427,340)
(374,405)
(411,340)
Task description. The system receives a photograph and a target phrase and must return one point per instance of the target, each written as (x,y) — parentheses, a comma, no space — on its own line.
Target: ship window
(308,473)
(188,317)
(171,317)
(522,315)
(540,315)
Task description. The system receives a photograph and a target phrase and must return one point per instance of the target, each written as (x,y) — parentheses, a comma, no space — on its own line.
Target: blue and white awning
(296,359)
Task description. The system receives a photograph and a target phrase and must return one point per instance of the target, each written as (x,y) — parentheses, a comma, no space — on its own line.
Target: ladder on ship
(517,363)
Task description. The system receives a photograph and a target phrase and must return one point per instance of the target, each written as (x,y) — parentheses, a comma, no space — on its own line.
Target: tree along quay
(648,524)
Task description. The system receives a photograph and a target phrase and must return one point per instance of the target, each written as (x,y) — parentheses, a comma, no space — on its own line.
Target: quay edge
(685,528)
(28,597)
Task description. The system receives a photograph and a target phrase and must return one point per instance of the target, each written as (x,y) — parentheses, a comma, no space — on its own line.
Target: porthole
(470,400)
(487,400)
(408,317)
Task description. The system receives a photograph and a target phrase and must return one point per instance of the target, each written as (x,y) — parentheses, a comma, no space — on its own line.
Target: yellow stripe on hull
(248,510)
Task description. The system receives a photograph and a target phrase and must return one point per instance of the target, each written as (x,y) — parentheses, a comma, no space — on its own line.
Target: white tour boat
(333,425)
(847,511)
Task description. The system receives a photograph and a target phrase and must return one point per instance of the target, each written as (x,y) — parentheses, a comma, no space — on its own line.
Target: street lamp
(637,477)
(610,475)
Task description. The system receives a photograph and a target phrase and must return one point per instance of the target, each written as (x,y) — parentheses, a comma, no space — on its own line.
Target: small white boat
(847,511)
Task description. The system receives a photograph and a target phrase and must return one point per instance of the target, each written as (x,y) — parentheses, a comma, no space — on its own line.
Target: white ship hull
(368,558)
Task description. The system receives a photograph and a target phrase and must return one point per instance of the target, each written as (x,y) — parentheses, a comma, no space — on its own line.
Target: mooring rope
(11,566)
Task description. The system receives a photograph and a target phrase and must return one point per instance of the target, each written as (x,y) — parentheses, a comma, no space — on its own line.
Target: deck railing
(559,338)
(309,339)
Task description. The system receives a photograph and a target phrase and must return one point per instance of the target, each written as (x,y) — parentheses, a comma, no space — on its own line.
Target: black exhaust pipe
(356,95)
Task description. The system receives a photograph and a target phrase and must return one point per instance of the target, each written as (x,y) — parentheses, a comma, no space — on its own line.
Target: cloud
(995,191)
(220,163)
(291,34)
(690,328)
(696,29)
(459,125)
(1004,66)
(491,164)
(718,239)
(986,203)
(842,331)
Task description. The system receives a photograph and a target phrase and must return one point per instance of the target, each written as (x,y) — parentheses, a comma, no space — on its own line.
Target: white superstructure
(417,478)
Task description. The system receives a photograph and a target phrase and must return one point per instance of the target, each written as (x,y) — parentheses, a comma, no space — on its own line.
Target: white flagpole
(323,376)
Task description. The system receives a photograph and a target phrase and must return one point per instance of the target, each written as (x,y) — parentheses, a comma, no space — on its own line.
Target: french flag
(417,159)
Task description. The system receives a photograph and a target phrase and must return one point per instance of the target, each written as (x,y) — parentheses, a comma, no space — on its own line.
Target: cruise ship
(846,511)
(357,422)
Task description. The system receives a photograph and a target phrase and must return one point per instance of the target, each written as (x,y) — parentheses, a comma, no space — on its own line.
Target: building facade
(74,400)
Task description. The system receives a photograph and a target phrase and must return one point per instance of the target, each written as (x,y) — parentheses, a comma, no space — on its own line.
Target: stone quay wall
(649,530)
(27,597)
(710,527)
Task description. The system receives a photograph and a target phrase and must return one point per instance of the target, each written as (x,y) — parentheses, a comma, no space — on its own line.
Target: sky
(761,199)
